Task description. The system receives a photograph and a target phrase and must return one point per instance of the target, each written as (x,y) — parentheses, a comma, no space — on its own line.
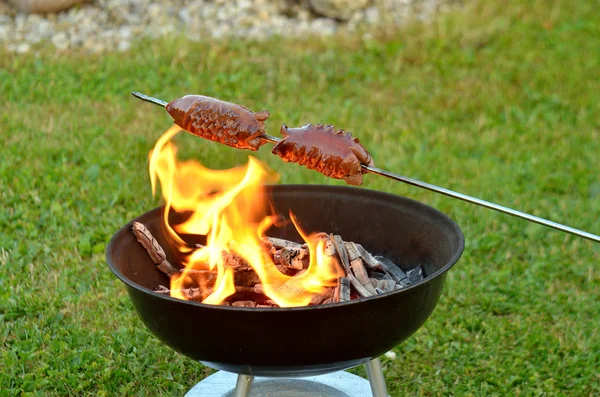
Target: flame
(231,208)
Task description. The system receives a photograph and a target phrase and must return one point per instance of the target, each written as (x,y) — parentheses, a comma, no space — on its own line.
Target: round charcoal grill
(303,341)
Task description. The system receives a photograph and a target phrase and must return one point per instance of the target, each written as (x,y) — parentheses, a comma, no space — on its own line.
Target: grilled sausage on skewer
(437,189)
(322,148)
(219,121)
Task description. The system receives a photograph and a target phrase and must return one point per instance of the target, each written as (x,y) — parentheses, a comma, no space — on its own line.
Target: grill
(310,341)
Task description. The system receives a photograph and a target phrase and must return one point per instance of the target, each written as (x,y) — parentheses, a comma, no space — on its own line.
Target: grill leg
(243,386)
(376,379)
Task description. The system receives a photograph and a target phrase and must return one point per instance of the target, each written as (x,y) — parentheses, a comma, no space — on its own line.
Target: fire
(232,210)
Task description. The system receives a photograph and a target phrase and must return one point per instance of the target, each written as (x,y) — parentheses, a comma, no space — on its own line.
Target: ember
(239,265)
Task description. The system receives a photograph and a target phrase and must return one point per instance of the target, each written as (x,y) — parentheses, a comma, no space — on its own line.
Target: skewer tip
(149,99)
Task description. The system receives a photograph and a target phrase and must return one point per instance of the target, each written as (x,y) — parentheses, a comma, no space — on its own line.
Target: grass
(499,100)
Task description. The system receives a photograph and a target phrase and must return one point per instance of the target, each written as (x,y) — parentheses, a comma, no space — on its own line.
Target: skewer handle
(482,203)
(433,188)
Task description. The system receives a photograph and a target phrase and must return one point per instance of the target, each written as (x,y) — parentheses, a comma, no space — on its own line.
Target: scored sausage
(219,121)
(334,153)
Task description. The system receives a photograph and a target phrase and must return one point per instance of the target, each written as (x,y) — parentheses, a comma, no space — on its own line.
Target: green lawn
(500,100)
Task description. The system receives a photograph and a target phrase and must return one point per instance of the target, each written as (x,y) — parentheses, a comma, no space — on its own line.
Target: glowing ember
(231,208)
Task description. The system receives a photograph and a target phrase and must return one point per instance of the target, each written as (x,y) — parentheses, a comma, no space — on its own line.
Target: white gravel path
(112,25)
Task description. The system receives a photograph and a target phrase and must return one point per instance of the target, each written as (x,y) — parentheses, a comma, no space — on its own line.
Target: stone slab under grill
(336,384)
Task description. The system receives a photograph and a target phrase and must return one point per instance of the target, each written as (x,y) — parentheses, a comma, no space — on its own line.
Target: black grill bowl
(304,341)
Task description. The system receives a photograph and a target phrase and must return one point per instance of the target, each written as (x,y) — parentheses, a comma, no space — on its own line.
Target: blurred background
(496,99)
(101,25)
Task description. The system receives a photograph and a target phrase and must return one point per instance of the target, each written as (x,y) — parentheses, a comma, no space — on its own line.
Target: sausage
(334,153)
(219,121)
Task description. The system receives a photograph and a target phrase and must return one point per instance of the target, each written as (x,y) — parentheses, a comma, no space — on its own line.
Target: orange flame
(231,208)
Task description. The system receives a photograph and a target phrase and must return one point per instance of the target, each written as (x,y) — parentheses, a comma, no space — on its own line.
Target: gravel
(113,25)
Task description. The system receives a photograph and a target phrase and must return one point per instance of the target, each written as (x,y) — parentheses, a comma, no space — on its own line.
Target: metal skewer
(150,99)
(433,188)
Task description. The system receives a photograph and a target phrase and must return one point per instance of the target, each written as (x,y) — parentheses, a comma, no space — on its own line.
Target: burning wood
(384,285)
(365,275)
(359,288)
(245,290)
(361,275)
(206,276)
(292,287)
(352,251)
(330,249)
(195,293)
(246,278)
(369,259)
(281,243)
(336,291)
(232,260)
(344,289)
(258,289)
(390,268)
(380,276)
(321,298)
(294,257)
(244,304)
(161,289)
(157,254)
(415,275)
(341,249)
